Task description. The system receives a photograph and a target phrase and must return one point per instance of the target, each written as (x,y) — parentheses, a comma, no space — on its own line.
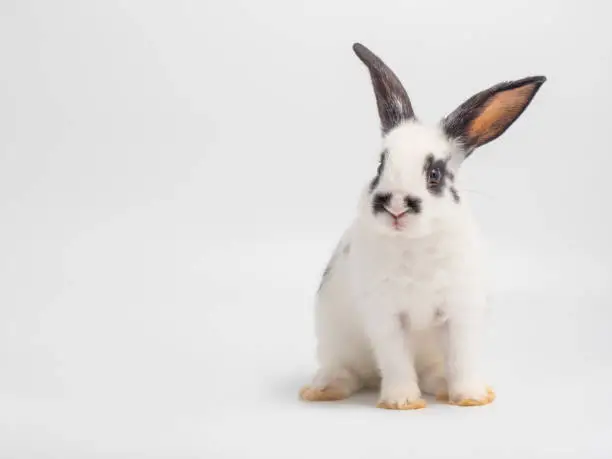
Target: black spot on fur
(345,250)
(413,204)
(404,321)
(324,276)
(381,166)
(428,162)
(327,270)
(454,193)
(380,201)
(440,316)
(436,174)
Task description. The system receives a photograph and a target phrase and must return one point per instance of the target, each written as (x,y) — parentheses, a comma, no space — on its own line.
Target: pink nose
(397,213)
(397,206)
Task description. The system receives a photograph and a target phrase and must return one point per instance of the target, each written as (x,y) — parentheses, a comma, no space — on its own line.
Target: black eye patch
(381,165)
(436,174)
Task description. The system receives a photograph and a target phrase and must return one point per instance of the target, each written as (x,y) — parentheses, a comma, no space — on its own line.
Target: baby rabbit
(402,302)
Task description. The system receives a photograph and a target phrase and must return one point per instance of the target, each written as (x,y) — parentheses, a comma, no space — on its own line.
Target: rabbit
(402,303)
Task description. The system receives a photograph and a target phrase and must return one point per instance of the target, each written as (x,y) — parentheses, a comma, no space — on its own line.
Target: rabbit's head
(414,186)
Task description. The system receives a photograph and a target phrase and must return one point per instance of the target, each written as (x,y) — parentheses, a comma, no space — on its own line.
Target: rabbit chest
(412,279)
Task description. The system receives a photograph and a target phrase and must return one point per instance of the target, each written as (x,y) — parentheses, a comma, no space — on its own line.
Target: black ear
(391,97)
(486,115)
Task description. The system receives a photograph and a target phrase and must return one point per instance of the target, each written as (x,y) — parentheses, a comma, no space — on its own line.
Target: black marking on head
(428,162)
(413,204)
(454,193)
(381,166)
(435,174)
(380,201)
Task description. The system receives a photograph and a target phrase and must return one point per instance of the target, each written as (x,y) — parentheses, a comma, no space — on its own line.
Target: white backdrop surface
(172,181)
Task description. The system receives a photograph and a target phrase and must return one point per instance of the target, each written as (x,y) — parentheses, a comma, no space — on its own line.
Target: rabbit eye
(435,175)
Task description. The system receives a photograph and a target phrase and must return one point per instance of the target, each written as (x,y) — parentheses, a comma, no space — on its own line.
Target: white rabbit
(402,302)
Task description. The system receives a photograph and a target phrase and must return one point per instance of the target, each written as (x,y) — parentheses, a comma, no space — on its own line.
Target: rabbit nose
(395,204)
(396,211)
(398,206)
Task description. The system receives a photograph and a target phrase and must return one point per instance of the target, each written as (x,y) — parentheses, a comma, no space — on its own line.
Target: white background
(173,177)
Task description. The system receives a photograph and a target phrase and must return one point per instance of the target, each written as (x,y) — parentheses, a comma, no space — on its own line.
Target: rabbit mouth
(394,221)
(398,223)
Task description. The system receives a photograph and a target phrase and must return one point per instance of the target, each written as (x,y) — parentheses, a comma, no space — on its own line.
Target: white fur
(405,308)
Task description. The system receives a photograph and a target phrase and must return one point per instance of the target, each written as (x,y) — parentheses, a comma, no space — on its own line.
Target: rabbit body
(382,289)
(402,303)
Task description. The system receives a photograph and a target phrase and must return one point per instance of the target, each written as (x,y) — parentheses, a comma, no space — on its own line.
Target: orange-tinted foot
(470,401)
(325,394)
(416,405)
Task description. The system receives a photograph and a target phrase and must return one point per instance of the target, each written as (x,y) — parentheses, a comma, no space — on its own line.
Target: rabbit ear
(486,115)
(391,97)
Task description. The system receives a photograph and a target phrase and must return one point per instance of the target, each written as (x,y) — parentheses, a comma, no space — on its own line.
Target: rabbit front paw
(401,398)
(469,395)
